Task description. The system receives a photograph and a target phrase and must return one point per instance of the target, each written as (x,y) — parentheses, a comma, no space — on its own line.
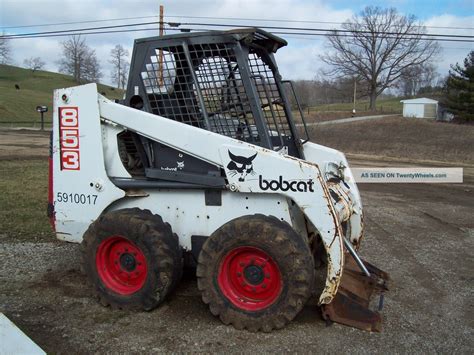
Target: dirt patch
(398,137)
(19,144)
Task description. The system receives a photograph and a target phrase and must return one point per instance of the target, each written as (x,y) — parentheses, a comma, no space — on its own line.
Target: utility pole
(355,93)
(160,55)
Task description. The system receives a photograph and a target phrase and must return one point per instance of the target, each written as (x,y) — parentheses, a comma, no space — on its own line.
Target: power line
(79,22)
(307,31)
(436,36)
(298,21)
(76,30)
(205,29)
(107,32)
(208,17)
(349,35)
(328,30)
(309,38)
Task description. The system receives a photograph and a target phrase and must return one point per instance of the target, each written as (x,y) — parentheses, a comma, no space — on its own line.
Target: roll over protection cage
(226,82)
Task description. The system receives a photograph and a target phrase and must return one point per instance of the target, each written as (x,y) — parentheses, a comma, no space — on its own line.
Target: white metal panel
(413,110)
(82,193)
(13,341)
(113,163)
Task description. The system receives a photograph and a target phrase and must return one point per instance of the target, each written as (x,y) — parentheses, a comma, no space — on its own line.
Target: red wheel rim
(249,278)
(121,265)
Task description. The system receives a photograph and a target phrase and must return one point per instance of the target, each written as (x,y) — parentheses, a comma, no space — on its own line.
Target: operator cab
(226,82)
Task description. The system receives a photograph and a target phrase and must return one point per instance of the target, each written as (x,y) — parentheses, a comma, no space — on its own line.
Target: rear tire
(256,273)
(132,259)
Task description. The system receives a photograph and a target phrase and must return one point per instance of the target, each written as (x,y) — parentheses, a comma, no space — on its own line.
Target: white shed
(420,108)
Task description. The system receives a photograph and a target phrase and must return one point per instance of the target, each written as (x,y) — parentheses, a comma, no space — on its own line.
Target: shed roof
(421,100)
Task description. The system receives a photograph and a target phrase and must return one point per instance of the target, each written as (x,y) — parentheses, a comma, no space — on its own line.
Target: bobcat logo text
(283,185)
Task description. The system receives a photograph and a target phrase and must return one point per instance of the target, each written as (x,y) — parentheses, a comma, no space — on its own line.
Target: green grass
(23,201)
(35,89)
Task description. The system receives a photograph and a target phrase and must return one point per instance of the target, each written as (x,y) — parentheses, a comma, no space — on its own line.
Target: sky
(299,60)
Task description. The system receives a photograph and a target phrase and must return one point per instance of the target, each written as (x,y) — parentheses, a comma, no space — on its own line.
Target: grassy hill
(19,106)
(35,89)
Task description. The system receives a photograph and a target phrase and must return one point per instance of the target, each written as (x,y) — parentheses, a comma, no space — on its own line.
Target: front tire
(256,273)
(132,259)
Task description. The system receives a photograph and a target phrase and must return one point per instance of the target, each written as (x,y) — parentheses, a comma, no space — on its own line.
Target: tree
(118,59)
(5,50)
(459,97)
(378,46)
(34,63)
(303,90)
(416,77)
(79,60)
(92,72)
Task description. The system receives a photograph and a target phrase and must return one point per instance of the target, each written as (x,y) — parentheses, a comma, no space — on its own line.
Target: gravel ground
(421,234)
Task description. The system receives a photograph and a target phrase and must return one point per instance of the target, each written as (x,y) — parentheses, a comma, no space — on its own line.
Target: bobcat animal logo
(240,165)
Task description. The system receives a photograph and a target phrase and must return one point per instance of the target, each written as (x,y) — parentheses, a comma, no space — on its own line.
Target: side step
(351,303)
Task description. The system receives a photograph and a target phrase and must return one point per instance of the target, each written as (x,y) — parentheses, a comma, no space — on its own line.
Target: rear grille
(129,154)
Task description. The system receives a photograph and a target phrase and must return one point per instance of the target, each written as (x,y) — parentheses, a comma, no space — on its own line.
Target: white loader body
(316,195)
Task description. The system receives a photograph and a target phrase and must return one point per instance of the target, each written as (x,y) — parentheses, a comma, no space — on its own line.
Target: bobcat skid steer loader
(203,164)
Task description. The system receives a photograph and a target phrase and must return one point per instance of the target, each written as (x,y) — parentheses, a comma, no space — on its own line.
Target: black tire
(282,245)
(158,248)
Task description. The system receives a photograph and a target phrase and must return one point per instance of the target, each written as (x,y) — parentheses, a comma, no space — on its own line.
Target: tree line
(78,60)
(326,90)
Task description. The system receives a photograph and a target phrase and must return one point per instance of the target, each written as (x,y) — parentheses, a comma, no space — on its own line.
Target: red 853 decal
(69,138)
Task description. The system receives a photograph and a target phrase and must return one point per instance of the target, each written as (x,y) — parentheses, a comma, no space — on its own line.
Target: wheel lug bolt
(264,286)
(254,289)
(239,274)
(242,264)
(252,261)
(267,276)
(243,283)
